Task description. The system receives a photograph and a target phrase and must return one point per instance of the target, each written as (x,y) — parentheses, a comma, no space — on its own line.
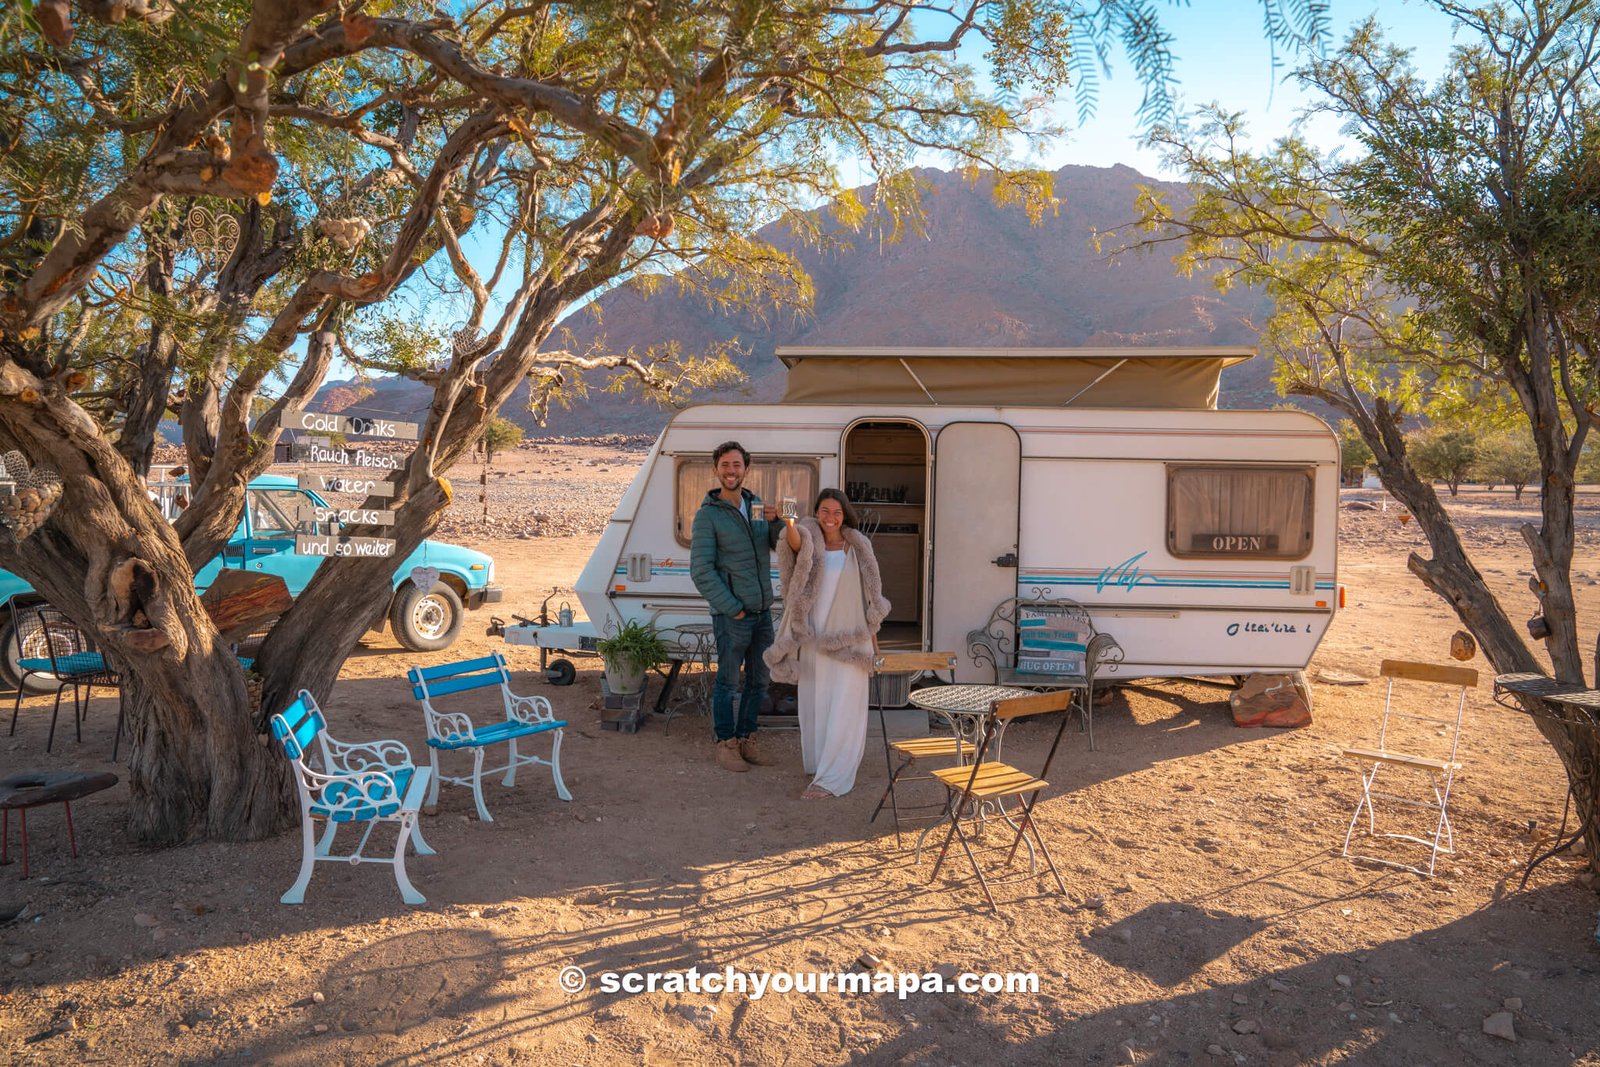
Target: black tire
(10,672)
(560,672)
(426,621)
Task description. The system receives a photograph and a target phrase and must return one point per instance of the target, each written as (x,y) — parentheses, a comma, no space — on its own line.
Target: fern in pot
(634,649)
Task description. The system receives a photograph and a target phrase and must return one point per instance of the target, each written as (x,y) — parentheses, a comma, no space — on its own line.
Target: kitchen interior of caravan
(886,479)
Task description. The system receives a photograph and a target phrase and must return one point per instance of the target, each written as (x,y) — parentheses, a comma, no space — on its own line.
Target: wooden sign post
(367,483)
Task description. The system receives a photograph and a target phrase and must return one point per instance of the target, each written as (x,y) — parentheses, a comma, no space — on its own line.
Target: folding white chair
(1427,750)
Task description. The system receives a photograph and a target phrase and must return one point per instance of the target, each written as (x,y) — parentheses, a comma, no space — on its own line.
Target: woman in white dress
(832,607)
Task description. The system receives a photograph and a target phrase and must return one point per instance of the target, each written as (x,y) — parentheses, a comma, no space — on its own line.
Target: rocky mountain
(979,274)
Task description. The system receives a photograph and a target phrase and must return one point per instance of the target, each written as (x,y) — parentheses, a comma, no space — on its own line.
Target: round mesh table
(964,706)
(695,646)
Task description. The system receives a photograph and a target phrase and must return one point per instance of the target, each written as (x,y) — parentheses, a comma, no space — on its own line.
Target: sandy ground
(1209,916)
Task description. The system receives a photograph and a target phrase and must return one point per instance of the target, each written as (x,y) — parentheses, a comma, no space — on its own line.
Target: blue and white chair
(450,731)
(366,783)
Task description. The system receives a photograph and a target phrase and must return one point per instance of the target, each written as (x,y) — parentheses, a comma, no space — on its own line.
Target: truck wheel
(560,672)
(10,654)
(426,621)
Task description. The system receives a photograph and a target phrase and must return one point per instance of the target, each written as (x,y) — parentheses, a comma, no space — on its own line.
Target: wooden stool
(29,790)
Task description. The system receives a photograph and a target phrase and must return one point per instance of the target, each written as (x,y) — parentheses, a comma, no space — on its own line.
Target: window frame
(1306,470)
(685,522)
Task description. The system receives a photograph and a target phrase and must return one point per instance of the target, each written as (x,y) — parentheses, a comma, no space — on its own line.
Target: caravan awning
(1026,377)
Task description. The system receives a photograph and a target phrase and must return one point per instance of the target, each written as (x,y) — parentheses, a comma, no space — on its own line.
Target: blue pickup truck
(424,620)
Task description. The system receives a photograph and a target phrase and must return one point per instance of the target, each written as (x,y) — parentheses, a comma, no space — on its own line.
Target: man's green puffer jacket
(730,559)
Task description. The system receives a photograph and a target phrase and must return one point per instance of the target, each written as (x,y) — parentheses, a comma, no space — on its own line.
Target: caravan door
(977,490)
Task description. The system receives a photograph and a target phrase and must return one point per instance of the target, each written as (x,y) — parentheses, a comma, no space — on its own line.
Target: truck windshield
(272,511)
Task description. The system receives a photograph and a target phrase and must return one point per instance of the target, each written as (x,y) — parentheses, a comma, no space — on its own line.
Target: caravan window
(769,479)
(1239,512)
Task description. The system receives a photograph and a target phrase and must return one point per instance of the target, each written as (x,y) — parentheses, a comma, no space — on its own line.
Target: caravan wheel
(560,672)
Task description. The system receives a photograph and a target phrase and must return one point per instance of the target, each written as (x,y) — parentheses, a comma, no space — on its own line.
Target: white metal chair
(1427,750)
(359,783)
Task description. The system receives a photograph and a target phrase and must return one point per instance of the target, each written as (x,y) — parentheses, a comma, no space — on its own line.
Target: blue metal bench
(453,730)
(368,783)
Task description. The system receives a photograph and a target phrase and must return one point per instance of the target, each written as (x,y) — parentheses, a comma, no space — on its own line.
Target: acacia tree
(1446,270)
(1507,457)
(1444,453)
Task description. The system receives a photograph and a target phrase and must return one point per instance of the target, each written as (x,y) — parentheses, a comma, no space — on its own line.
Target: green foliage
(1443,453)
(635,646)
(1354,452)
(499,435)
(1507,457)
(1588,471)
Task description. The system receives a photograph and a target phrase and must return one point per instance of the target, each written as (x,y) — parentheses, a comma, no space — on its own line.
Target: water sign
(365,485)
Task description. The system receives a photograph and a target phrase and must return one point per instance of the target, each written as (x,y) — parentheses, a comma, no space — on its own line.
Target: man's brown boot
(728,757)
(751,753)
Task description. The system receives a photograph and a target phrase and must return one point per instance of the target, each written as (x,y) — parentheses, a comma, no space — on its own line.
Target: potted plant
(634,649)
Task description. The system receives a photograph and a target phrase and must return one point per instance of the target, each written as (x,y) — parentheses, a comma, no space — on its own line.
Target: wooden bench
(1040,643)
(448,731)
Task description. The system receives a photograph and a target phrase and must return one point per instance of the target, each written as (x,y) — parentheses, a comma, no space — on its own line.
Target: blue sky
(1223,56)
(1220,55)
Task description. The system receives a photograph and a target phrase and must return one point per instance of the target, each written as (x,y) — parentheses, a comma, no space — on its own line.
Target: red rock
(1272,700)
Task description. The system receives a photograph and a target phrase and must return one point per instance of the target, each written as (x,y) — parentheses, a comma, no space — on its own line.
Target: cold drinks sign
(367,483)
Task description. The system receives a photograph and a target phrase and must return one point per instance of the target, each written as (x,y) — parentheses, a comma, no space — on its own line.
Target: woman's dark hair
(729,446)
(849,510)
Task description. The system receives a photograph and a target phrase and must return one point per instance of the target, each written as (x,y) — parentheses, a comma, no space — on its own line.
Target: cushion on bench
(1050,640)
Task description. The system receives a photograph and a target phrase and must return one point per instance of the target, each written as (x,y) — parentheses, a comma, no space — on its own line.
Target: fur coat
(801,573)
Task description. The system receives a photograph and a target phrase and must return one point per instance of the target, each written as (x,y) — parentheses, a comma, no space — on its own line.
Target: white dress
(833,699)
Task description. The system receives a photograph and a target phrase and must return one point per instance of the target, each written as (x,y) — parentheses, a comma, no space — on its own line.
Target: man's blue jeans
(740,642)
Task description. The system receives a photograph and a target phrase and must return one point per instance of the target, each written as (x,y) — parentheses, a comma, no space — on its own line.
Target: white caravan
(1204,541)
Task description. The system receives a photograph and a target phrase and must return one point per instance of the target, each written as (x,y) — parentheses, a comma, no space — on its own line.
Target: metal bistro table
(1581,708)
(964,706)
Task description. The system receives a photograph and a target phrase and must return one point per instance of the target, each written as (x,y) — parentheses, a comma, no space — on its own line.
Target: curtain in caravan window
(769,479)
(1243,512)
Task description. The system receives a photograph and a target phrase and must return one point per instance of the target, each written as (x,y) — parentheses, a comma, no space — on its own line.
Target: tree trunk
(109,560)
(199,765)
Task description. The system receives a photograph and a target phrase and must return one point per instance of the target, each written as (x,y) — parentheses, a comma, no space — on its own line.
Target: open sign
(1233,544)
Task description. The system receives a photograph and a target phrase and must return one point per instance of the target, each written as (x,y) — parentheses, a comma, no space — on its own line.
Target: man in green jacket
(730,560)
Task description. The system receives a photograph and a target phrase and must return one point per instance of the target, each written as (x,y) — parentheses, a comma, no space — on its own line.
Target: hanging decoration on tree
(213,236)
(466,341)
(346,233)
(33,497)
